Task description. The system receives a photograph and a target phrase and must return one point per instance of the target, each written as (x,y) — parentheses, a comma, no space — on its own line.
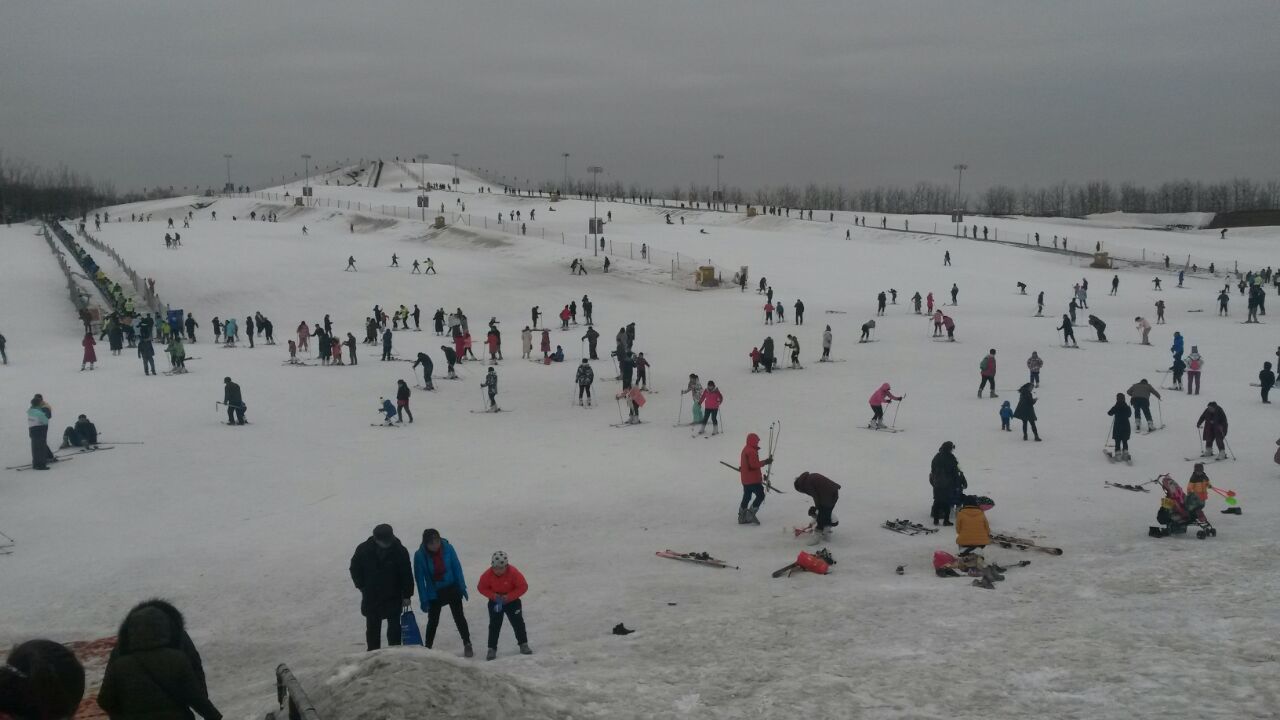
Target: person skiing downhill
(750,472)
(987,373)
(1214,422)
(881,397)
(950,326)
(1068,331)
(825,494)
(881,300)
(1120,413)
(867,327)
(584,378)
(712,398)
(635,401)
(794,345)
(1140,397)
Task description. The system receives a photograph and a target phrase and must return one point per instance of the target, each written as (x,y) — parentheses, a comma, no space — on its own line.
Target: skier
(825,494)
(491,382)
(915,301)
(1177,369)
(1223,300)
(826,345)
(1181,274)
(417,268)
(768,313)
(526,342)
(1140,396)
(388,411)
(417,317)
(381,571)
(402,401)
(1120,414)
(535,314)
(1267,379)
(794,345)
(750,468)
(503,585)
(635,401)
(711,400)
(564,318)
(440,584)
(928,301)
(642,371)
(148,354)
(386,344)
(1177,346)
(584,377)
(1159,312)
(1034,363)
(90,357)
(431,267)
(304,335)
(573,312)
(228,331)
(591,337)
(606,259)
(778,310)
(395,261)
(1214,422)
(937,323)
(427,365)
(1115,284)
(950,326)
(946,258)
(881,299)
(451,358)
(1099,326)
(1194,364)
(766,355)
(177,355)
(799,312)
(987,373)
(248,329)
(1026,411)
(881,397)
(955,294)
(1155,282)
(351,264)
(694,390)
(1145,327)
(191,328)
(234,401)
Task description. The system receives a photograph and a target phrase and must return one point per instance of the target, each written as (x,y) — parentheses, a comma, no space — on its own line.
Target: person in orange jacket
(635,401)
(750,468)
(972,530)
(503,585)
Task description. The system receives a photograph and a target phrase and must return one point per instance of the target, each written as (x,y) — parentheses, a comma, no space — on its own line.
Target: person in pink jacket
(881,397)
(90,356)
(711,400)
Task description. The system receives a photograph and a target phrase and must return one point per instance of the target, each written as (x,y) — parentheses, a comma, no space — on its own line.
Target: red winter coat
(711,399)
(564,314)
(493,343)
(749,466)
(546,341)
(89,355)
(990,370)
(510,583)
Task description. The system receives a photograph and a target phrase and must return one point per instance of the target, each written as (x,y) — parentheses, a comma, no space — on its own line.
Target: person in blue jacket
(1176,349)
(440,583)
(388,411)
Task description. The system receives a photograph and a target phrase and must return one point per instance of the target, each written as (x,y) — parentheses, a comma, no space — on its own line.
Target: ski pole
(618,402)
(1160,409)
(1228,446)
(1110,432)
(680,410)
(894,423)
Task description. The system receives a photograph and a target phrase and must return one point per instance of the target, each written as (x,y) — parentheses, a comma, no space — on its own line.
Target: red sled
(812,563)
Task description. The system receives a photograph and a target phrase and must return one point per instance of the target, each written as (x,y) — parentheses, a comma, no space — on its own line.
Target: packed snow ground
(250,530)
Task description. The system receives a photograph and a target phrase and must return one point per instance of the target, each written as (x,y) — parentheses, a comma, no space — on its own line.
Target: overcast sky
(153,92)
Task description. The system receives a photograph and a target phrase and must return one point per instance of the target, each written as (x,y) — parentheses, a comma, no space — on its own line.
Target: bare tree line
(29,191)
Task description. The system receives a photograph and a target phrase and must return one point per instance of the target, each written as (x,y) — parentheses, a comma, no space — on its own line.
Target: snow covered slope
(249,530)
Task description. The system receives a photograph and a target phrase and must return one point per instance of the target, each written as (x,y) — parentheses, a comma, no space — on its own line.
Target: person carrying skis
(881,397)
(1099,326)
(451,358)
(381,571)
(694,390)
(1145,328)
(826,345)
(825,494)
(441,584)
(1266,379)
(712,398)
(635,401)
(987,373)
(794,345)
(503,585)
(591,337)
(1194,365)
(584,377)
(232,398)
(387,409)
(491,383)
(402,401)
(1034,363)
(1214,422)
(1120,414)
(1026,411)
(750,472)
(1068,331)
(1140,395)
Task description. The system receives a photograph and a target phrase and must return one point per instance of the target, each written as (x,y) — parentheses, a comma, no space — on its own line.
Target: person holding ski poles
(491,383)
(750,468)
(694,390)
(584,377)
(711,401)
(882,396)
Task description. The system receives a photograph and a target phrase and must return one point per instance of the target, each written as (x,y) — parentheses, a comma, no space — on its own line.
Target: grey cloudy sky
(147,92)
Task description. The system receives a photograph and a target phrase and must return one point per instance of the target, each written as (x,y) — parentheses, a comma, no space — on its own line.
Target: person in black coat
(381,571)
(948,482)
(450,357)
(235,403)
(1120,414)
(1026,411)
(40,679)
(1266,379)
(825,493)
(1099,326)
(178,637)
(151,673)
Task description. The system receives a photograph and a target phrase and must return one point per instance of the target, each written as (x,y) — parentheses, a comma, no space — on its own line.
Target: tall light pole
(422,168)
(959,168)
(306,174)
(595,171)
(719,191)
(229,186)
(565,187)
(455,169)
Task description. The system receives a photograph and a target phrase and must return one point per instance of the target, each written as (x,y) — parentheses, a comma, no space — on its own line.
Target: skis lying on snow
(906,527)
(1009,541)
(1112,457)
(1208,458)
(1125,486)
(831,360)
(699,558)
(490,410)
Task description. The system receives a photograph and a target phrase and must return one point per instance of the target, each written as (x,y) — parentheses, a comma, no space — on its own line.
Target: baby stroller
(1178,510)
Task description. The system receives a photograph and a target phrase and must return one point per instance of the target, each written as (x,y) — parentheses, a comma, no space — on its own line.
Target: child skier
(635,401)
(1177,368)
(388,411)
(1034,363)
(490,382)
(750,468)
(1006,414)
(503,585)
(755,361)
(711,400)
(642,371)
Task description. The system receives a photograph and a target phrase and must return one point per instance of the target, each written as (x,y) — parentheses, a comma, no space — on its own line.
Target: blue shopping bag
(409,632)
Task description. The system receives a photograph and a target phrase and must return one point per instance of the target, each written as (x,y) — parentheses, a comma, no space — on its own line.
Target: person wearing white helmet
(503,585)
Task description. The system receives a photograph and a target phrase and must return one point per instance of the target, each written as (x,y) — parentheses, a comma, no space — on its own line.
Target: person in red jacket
(987,371)
(711,400)
(749,470)
(90,357)
(564,318)
(503,585)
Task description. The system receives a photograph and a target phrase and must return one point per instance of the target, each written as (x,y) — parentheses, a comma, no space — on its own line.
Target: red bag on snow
(812,563)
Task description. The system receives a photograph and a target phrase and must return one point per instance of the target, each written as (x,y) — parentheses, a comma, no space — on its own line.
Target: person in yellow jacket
(1199,483)
(972,530)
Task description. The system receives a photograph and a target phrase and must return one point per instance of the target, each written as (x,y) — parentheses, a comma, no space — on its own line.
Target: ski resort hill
(250,530)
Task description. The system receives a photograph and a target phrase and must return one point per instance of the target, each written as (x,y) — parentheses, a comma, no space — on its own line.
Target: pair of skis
(1017,543)
(65,457)
(698,558)
(906,527)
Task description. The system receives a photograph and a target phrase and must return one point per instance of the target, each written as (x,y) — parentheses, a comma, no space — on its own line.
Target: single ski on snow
(700,558)
(1011,542)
